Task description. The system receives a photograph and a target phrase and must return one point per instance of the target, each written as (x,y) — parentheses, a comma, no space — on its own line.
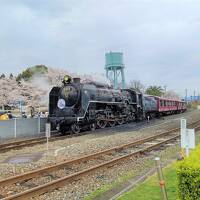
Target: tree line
(4,76)
(28,73)
(152,90)
(136,85)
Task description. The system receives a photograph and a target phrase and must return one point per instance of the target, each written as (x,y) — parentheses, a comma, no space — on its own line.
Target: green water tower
(115,69)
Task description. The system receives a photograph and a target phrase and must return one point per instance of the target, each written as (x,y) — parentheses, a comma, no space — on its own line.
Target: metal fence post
(38,125)
(161,178)
(15,127)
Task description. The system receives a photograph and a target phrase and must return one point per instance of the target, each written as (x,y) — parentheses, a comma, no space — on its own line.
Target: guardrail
(19,127)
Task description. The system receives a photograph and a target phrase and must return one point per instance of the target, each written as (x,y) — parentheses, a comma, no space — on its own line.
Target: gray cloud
(160,38)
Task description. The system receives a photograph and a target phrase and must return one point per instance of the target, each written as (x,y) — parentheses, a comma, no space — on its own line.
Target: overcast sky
(160,39)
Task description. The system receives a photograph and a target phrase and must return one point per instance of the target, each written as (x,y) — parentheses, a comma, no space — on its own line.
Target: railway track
(39,140)
(37,182)
(31,142)
(34,141)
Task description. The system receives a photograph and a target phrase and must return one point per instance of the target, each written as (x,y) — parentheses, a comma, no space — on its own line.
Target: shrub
(188,174)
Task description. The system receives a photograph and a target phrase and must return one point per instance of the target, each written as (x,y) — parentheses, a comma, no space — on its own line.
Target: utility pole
(194,94)
(165,88)
(186,93)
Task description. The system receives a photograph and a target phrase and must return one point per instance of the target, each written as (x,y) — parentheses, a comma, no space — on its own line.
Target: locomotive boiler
(77,105)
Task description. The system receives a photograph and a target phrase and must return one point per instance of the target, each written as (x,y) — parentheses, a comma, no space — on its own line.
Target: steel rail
(19,142)
(36,173)
(29,142)
(61,181)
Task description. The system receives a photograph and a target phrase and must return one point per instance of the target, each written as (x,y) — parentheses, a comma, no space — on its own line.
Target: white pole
(38,125)
(47,144)
(183,132)
(15,127)
(183,125)
(48,134)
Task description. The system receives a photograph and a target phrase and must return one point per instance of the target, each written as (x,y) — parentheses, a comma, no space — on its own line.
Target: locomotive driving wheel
(75,128)
(128,118)
(101,123)
(111,123)
(62,129)
(120,121)
(132,117)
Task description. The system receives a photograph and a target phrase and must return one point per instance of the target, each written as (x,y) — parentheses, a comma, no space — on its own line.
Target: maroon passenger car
(170,106)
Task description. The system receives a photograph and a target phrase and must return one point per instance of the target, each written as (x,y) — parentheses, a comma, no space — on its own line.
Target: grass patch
(109,186)
(150,188)
(99,191)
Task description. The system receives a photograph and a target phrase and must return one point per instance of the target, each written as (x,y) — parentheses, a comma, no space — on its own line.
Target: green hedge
(188,173)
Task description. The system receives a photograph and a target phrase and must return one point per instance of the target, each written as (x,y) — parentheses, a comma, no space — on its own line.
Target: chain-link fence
(20,127)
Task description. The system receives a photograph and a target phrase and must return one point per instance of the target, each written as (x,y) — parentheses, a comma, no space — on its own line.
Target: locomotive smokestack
(76,80)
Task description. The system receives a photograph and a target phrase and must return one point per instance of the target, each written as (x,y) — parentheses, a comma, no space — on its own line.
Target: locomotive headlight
(61,103)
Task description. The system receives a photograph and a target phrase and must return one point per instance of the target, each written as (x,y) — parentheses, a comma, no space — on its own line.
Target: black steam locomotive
(76,105)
